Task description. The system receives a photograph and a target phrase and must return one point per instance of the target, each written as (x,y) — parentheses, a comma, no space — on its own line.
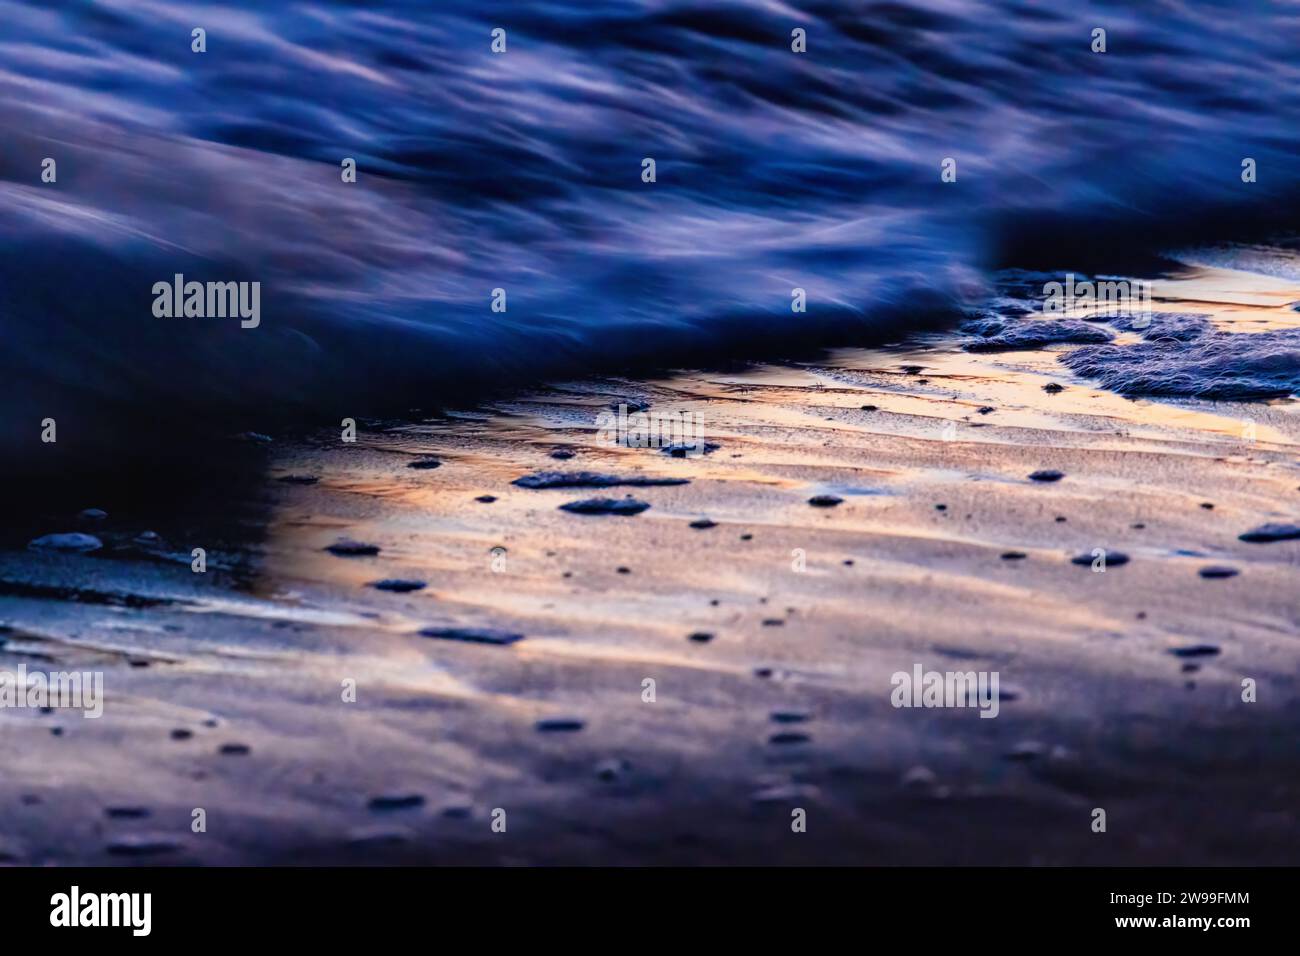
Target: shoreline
(224,692)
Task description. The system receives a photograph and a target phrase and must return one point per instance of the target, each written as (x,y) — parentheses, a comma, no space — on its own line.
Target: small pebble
(424,464)
(611,770)
(1046,474)
(787,737)
(625,507)
(824,501)
(1217,571)
(1270,532)
(235,750)
(701,524)
(472,635)
(126,813)
(347,548)
(559,725)
(73,542)
(405,801)
(1112,559)
(700,637)
(400,585)
(1195,650)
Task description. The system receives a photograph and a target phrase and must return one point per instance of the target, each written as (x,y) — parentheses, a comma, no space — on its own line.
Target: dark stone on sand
(788,716)
(1273,531)
(181,733)
(400,585)
(486,499)
(1207,505)
(871,408)
(788,737)
(1217,571)
(824,501)
(1195,650)
(401,801)
(93,514)
(700,637)
(625,507)
(773,622)
(424,464)
(623,570)
(701,524)
(1113,559)
(912,369)
(1046,474)
(940,507)
(685,451)
(609,771)
(562,454)
(747,537)
(1014,555)
(472,635)
(561,725)
(347,548)
(126,813)
(1051,388)
(591,479)
(72,542)
(763,673)
(299,479)
(235,750)
(986,410)
(142,845)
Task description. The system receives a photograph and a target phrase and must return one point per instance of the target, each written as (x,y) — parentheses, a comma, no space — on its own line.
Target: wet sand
(225,689)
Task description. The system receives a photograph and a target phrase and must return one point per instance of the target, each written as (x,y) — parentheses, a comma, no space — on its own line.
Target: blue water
(522,171)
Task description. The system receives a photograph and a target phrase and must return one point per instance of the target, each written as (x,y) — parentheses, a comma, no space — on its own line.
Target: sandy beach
(770,628)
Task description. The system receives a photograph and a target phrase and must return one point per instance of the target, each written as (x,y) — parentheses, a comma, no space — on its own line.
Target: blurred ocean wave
(521,171)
